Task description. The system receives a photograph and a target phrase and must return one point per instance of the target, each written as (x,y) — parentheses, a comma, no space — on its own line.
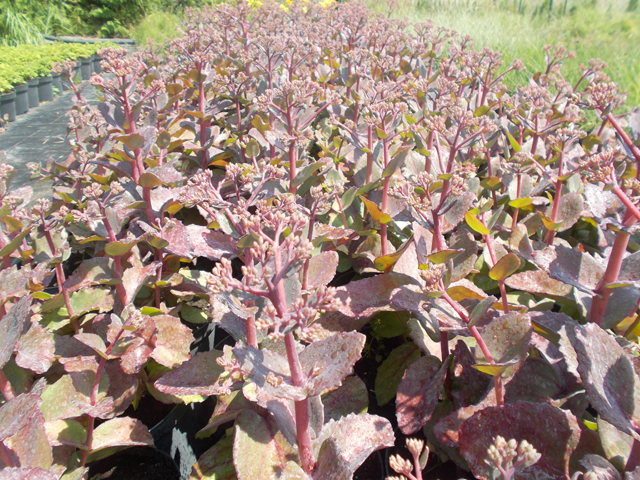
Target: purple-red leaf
(198,376)
(608,377)
(322,269)
(357,437)
(507,338)
(553,432)
(121,432)
(365,297)
(27,444)
(469,384)
(172,342)
(11,328)
(330,463)
(327,362)
(538,281)
(35,349)
(133,278)
(26,473)
(419,392)
(227,409)
(15,414)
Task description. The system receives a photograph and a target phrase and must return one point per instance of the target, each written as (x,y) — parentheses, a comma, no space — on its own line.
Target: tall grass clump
(609,31)
(157,26)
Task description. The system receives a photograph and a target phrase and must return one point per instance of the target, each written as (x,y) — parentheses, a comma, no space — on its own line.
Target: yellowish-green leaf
(149,180)
(521,202)
(443,256)
(505,267)
(386,262)
(378,215)
(550,224)
(489,369)
(476,224)
(115,249)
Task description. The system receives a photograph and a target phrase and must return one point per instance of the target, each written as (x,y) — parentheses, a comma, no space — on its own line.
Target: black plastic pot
(135,463)
(34,99)
(86,68)
(97,67)
(8,105)
(22,99)
(175,435)
(45,89)
(56,82)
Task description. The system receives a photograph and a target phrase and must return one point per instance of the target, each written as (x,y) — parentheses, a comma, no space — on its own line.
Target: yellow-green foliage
(158,26)
(607,32)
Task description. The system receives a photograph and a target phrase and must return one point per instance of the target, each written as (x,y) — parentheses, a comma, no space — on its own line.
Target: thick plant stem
(556,200)
(602,293)
(385,200)
(89,443)
(252,338)
(497,380)
(369,154)
(6,388)
(302,407)
(633,210)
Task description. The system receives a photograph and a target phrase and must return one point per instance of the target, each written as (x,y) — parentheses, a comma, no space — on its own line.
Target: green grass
(591,31)
(159,26)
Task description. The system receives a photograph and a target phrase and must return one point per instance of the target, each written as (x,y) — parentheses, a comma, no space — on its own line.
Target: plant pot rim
(32,81)
(22,86)
(8,95)
(45,79)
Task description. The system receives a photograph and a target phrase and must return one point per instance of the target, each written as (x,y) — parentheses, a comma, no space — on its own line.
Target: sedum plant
(315,181)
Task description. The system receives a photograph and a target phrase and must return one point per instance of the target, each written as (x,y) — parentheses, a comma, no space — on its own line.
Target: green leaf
(194,315)
(259,449)
(247,241)
(306,172)
(388,325)
(386,262)
(505,267)
(483,110)
(521,202)
(133,140)
(149,180)
(164,139)
(550,224)
(390,372)
(396,162)
(348,197)
(375,212)
(480,309)
(491,183)
(156,242)
(514,143)
(493,370)
(115,249)
(216,463)
(252,149)
(476,224)
(13,244)
(443,256)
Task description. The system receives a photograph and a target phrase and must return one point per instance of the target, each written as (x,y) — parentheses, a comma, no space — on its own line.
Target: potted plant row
(27,73)
(404,253)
